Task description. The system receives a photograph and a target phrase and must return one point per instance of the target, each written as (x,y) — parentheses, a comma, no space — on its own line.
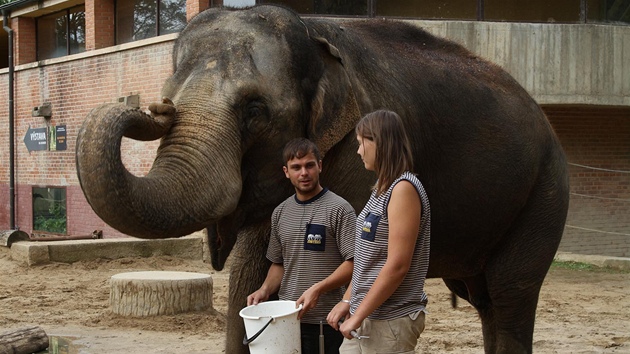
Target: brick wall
(25,40)
(73,88)
(597,143)
(99,24)
(193,7)
(5,222)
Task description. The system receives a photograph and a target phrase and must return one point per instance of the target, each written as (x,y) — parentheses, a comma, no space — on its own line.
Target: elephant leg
(247,272)
(514,284)
(505,297)
(457,288)
(515,272)
(472,289)
(475,291)
(505,313)
(508,323)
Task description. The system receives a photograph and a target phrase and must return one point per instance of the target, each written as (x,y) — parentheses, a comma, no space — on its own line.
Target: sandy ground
(579,311)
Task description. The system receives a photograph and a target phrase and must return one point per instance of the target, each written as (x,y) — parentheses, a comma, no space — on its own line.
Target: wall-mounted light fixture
(45,110)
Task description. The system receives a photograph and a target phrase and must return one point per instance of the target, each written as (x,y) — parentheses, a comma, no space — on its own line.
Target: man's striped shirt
(311,239)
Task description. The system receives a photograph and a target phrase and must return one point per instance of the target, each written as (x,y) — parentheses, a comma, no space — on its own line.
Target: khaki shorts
(399,335)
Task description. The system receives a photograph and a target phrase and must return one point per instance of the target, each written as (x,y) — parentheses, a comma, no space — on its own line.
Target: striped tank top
(371,240)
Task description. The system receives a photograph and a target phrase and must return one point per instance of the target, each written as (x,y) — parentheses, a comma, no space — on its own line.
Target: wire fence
(598,197)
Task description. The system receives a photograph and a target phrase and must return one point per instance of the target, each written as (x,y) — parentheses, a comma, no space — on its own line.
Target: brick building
(70,56)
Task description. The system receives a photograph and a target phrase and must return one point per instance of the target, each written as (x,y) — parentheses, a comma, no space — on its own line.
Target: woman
(386,299)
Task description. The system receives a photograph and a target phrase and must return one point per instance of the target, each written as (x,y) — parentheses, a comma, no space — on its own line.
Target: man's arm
(269,286)
(341,276)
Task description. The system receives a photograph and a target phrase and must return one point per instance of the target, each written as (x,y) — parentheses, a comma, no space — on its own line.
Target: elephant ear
(334,110)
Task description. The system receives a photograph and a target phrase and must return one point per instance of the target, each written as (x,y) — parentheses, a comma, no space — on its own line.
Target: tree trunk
(153,293)
(23,341)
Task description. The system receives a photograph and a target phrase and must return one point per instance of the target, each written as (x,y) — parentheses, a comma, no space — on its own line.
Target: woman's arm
(341,310)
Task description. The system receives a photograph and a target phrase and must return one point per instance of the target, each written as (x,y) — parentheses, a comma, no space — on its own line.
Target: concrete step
(622,263)
(70,251)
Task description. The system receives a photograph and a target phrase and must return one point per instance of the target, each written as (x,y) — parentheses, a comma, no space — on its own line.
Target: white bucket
(272,327)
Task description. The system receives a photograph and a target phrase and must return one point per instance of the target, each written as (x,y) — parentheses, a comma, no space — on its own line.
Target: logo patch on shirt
(315,237)
(370,224)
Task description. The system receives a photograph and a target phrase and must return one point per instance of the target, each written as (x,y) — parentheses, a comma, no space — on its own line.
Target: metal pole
(11,125)
(321,338)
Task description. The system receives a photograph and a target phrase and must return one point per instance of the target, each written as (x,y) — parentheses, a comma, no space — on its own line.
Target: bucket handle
(246,341)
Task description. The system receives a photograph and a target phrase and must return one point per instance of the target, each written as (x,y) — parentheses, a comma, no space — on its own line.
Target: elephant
(245,81)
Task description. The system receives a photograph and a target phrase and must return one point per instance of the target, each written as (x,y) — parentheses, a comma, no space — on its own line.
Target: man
(311,247)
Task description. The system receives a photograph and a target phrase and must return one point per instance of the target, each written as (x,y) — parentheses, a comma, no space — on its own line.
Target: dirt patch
(578,312)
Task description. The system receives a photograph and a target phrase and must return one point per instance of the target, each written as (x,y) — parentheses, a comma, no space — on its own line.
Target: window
(434,9)
(140,19)
(61,33)
(325,7)
(239,3)
(4,52)
(544,11)
(564,11)
(49,209)
(608,11)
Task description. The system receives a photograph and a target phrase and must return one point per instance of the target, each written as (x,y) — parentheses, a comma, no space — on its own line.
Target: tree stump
(23,341)
(154,293)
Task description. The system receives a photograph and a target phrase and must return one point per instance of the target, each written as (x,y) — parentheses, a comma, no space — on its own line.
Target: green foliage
(2,2)
(573,265)
(580,266)
(54,222)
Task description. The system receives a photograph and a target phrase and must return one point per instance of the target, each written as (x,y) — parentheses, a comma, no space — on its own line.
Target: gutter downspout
(11,124)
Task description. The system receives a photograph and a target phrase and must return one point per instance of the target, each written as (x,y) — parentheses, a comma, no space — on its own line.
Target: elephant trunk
(185,190)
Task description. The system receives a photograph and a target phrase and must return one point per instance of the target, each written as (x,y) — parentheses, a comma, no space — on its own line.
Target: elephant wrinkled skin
(246,81)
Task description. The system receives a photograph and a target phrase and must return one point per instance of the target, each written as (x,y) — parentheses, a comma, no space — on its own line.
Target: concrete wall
(556,63)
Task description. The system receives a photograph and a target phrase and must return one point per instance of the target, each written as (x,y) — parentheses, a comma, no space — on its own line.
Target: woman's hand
(338,313)
(350,324)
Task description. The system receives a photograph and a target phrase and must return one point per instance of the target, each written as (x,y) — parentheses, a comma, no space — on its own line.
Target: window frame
(582,14)
(66,13)
(156,30)
(35,215)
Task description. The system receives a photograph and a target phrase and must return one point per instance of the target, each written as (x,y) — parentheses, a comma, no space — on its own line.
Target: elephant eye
(253,111)
(256,117)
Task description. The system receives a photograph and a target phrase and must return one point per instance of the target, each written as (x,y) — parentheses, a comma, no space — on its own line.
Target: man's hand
(257,297)
(269,286)
(308,300)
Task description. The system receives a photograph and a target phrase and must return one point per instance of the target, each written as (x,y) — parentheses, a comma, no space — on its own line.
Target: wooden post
(23,341)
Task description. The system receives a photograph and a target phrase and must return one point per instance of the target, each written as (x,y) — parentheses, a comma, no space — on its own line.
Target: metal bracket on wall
(131,100)
(45,110)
